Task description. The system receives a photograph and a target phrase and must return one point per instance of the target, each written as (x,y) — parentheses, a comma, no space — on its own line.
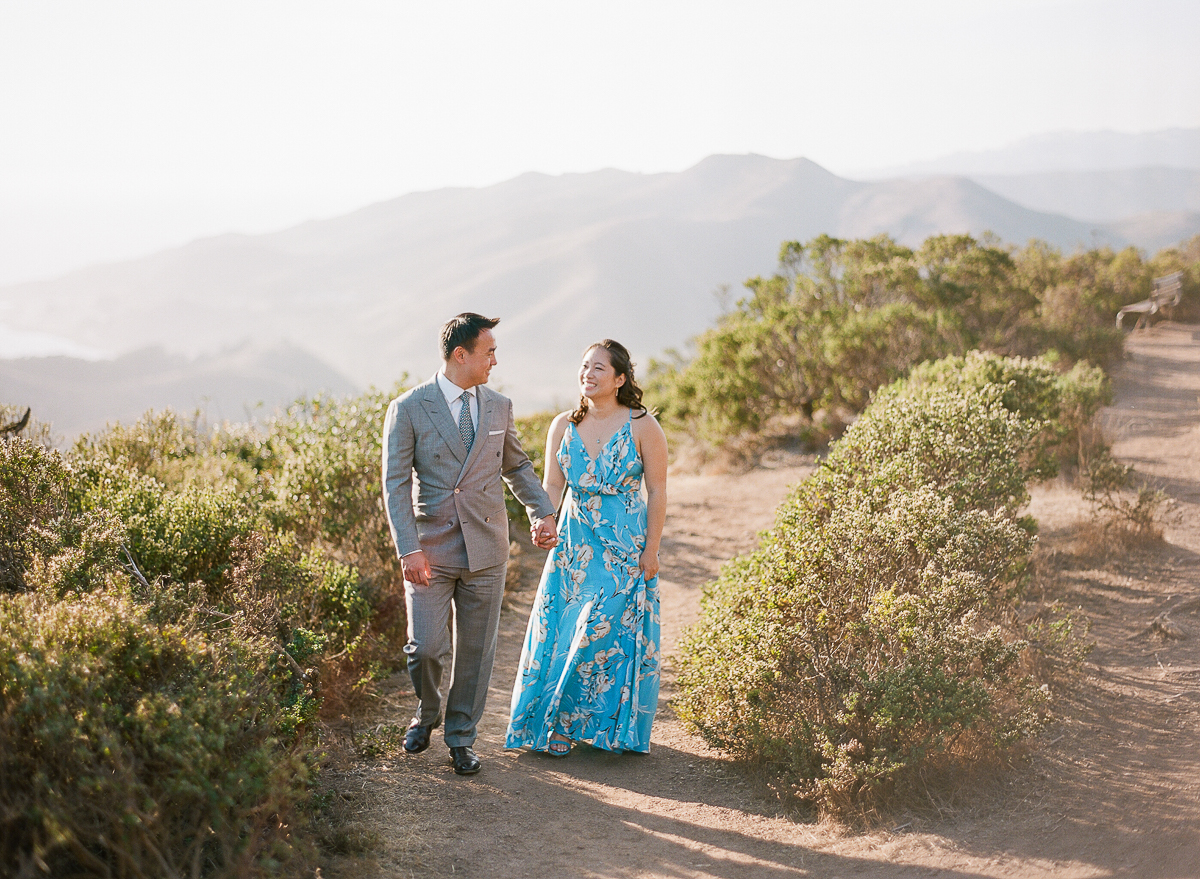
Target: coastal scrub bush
(129,748)
(282,523)
(322,478)
(313,471)
(208,555)
(45,541)
(869,637)
(1126,514)
(174,450)
(320,471)
(1065,403)
(185,534)
(152,728)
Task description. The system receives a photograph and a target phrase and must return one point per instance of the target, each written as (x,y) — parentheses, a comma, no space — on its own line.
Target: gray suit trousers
(475,599)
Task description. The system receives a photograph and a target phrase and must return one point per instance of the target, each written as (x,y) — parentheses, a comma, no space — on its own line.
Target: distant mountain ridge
(245,382)
(1066,152)
(563,260)
(1141,189)
(1102,196)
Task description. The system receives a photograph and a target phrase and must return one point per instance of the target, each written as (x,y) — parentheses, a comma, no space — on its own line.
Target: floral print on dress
(590,663)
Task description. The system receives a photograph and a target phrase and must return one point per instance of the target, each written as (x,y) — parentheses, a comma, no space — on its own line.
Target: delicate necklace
(604,422)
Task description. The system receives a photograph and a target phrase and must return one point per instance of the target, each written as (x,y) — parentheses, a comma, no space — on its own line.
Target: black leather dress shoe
(416,739)
(465,761)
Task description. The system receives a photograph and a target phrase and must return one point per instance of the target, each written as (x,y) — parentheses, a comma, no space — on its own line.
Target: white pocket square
(495,432)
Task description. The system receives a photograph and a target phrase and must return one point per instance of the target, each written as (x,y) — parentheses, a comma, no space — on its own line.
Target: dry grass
(1124,523)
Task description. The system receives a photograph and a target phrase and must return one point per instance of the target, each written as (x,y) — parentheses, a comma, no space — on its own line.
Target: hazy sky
(125,127)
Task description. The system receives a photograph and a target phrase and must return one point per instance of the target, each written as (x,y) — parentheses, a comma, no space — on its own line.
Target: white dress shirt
(454,394)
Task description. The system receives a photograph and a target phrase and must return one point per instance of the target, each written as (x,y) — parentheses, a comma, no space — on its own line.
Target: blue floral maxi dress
(590,665)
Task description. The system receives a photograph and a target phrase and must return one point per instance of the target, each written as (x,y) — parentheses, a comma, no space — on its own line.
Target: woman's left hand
(649,564)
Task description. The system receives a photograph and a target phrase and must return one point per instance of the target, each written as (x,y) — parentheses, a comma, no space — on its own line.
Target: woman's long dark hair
(628,394)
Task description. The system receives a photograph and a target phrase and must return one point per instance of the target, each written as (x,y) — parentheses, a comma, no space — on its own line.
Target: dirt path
(1113,788)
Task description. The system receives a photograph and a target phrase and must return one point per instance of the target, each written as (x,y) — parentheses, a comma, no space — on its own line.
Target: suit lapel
(483,398)
(438,411)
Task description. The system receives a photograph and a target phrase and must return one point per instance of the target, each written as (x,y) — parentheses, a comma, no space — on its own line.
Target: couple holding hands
(589,669)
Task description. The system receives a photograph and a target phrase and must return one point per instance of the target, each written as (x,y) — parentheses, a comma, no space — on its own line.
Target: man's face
(477,364)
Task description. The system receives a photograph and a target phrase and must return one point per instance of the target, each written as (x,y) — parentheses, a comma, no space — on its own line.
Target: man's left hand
(544,533)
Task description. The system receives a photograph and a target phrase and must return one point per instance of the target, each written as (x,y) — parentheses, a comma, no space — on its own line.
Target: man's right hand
(416,569)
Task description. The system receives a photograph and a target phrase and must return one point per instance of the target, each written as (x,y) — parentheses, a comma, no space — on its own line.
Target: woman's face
(597,378)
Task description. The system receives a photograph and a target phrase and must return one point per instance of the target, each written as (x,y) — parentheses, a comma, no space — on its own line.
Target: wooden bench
(1165,295)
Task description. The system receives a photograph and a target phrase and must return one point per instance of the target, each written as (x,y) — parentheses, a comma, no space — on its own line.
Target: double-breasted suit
(448,502)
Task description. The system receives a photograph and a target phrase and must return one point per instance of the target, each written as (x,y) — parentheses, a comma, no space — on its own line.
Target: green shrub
(868,640)
(322,468)
(1128,514)
(178,595)
(177,452)
(274,589)
(1064,403)
(185,534)
(267,553)
(45,542)
(321,481)
(129,748)
(313,471)
(334,602)
(964,441)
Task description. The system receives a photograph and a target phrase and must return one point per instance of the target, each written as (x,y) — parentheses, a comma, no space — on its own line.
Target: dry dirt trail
(1112,787)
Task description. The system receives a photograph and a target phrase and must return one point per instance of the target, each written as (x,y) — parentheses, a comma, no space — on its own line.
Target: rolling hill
(78,396)
(563,260)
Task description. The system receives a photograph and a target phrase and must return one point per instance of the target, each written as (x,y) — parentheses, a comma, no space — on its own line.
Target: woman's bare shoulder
(558,426)
(645,422)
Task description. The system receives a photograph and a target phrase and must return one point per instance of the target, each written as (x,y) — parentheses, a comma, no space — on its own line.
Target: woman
(590,665)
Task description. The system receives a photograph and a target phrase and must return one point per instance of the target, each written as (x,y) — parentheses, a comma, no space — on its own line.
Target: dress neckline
(608,442)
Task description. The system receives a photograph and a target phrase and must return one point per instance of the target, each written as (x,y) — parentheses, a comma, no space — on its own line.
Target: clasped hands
(544,533)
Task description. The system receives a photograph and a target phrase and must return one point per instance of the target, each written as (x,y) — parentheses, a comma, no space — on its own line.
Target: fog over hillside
(562,260)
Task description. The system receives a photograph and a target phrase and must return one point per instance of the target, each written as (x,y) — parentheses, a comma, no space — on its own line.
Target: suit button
(497,454)
(487,518)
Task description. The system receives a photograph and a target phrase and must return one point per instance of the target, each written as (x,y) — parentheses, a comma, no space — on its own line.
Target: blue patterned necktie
(465,428)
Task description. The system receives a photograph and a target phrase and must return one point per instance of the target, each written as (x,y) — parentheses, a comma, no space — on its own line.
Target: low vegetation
(871,637)
(179,607)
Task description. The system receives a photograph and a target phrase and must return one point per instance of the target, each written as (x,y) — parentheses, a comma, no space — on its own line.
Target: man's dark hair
(462,330)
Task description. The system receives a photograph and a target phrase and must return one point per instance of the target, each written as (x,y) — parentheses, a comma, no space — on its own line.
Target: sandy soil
(1111,788)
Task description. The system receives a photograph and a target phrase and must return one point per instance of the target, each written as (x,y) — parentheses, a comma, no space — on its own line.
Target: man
(460,439)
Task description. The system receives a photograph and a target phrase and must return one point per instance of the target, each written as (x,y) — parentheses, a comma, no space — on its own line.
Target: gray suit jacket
(457,516)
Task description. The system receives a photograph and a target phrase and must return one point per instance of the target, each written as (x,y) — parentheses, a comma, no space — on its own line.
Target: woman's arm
(553,479)
(543,532)
(652,446)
